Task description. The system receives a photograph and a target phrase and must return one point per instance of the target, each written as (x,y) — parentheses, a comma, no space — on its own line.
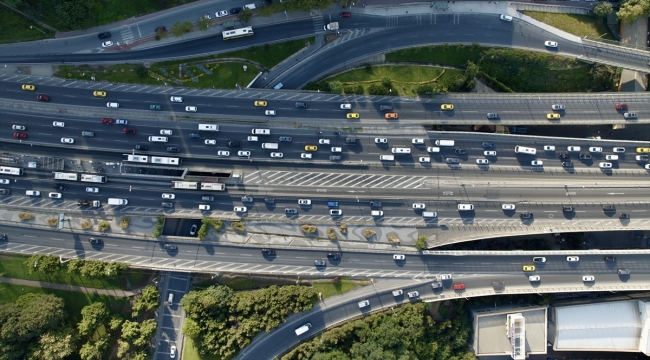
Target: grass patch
(393,238)
(453,55)
(242,283)
(328,288)
(190,352)
(159,227)
(579,25)
(15,28)
(25,216)
(53,221)
(238,225)
(270,55)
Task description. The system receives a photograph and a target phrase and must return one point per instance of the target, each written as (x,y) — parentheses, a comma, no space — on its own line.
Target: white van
(401,150)
(429,214)
(525,150)
(208,127)
(33,193)
(387,157)
(261,132)
(158,139)
(250,7)
(303,329)
(465,207)
(433,149)
(445,142)
(611,157)
(170,298)
(117,201)
(377,213)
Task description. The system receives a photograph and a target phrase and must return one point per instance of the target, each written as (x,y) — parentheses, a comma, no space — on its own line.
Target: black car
(351,141)
(301,104)
(3,236)
(235,10)
(167,204)
(335,158)
(234,144)
(155,107)
(333,256)
(609,208)
(5,192)
(567,164)
(585,157)
(173,149)
(83,203)
(142,147)
(285,138)
(487,145)
(610,259)
(269,201)
(563,156)
(375,204)
(104,35)
(460,151)
(170,247)
(567,208)
(526,215)
(268,252)
(60,187)
(623,216)
(95,241)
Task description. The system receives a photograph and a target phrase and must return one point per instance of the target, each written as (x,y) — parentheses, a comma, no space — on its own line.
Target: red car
(42,98)
(20,135)
(621,106)
(345,15)
(129,130)
(459,286)
(108,121)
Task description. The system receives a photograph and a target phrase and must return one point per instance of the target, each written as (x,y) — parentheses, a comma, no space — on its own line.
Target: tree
(191,328)
(130,330)
(147,330)
(75,14)
(146,301)
(47,264)
(115,322)
(53,345)
(602,10)
(245,15)
(177,29)
(95,350)
(123,347)
(93,315)
(631,10)
(204,23)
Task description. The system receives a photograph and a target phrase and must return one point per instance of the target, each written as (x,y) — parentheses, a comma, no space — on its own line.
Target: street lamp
(33,28)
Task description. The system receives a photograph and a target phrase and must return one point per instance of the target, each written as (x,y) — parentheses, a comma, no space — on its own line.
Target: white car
(398,292)
(646,166)
(537,163)
(413,294)
(121,122)
(168,196)
(618,149)
(363,303)
(210,142)
(482,162)
(419,206)
(176,99)
(107,44)
(551,44)
(507,206)
(346,106)
(533,278)
(557,107)
(381,141)
(573,148)
(269,112)
(505,17)
(305,156)
(445,277)
(92,189)
(424,159)
(304,202)
(223,153)
(641,158)
(54,195)
(172,352)
(588,278)
(417,141)
(240,209)
(221,13)
(5,181)
(191,109)
(595,149)
(204,207)
(605,165)
(336,149)
(572,258)
(539,259)
(277,155)
(58,124)
(33,193)
(399,257)
(165,132)
(549,148)
(336,212)
(490,153)
(18,127)
(244,153)
(67,140)
(324,141)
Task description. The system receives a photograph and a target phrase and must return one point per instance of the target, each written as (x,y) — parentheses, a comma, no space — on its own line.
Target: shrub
(343,228)
(369,233)
(159,227)
(421,244)
(241,284)
(103,226)
(124,223)
(331,233)
(309,229)
(25,216)
(53,221)
(238,225)
(358,90)
(336,280)
(86,225)
(368,67)
(393,238)
(203,231)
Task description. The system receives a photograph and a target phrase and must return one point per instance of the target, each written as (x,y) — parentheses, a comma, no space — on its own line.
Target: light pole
(33,28)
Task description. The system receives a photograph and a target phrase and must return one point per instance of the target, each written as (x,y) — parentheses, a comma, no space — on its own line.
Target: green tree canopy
(602,10)
(94,315)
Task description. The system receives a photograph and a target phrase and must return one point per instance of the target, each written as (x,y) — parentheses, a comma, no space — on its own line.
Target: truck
(331,26)
(250,7)
(117,201)
(93,178)
(303,329)
(270,146)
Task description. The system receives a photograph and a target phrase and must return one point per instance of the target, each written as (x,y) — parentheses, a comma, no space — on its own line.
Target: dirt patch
(331,37)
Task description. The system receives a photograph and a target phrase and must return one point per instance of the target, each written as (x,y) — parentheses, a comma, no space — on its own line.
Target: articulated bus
(8,170)
(191,185)
(213,186)
(135,158)
(161,160)
(93,178)
(66,176)
(237,33)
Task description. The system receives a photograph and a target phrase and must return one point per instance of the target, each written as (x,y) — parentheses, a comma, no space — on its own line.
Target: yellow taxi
(389,116)
(447,107)
(99,93)
(260,103)
(29,87)
(643,150)
(311,147)
(352,115)
(529,267)
(553,116)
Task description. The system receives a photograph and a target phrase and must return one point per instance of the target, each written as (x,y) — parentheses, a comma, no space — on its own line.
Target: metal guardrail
(550,8)
(537,252)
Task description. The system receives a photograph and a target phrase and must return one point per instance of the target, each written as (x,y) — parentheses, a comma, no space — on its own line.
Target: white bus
(525,150)
(185,185)
(165,160)
(8,170)
(66,176)
(213,186)
(93,178)
(237,33)
(135,158)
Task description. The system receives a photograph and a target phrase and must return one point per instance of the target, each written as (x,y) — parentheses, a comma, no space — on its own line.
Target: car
(319,263)
(619,271)
(492,115)
(399,257)
(551,44)
(398,292)
(346,106)
(170,247)
(605,165)
(336,149)
(223,153)
(609,208)
(553,116)
(557,107)
(417,141)
(168,196)
(166,132)
(539,259)
(290,211)
(88,133)
(335,158)
(459,286)
(352,141)
(193,229)
(178,99)
(643,150)
(587,278)
(232,144)
(610,259)
(390,115)
(55,195)
(572,258)
(167,204)
(533,278)
(537,163)
(160,28)
(268,252)
(621,106)
(336,212)
(58,124)
(204,207)
(95,241)
(104,35)
(260,103)
(221,13)
(618,149)
(130,131)
(285,138)
(563,156)
(507,206)
(451,160)
(505,17)
(595,149)
(482,162)
(29,87)
(33,193)
(567,164)
(424,159)
(240,209)
(549,148)
(269,112)
(324,141)
(445,277)
(526,215)
(489,153)
(529,267)
(630,115)
(5,181)
(301,104)
(142,147)
(375,204)
(191,109)
(311,148)
(573,148)
(67,140)
(243,153)
(447,107)
(487,145)
(460,152)
(42,97)
(155,107)
(60,187)
(305,156)
(364,303)
(642,158)
(91,189)
(623,216)
(246,198)
(172,351)
(173,149)
(436,285)
(18,127)
(107,121)
(352,116)
(345,14)
(413,294)
(235,10)
(277,155)
(20,135)
(567,208)
(584,157)
(419,206)
(107,44)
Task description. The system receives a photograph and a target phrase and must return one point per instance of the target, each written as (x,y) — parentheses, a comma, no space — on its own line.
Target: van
(400,150)
(433,149)
(387,157)
(32,164)
(170,298)
(271,146)
(253,138)
(611,157)
(445,142)
(261,132)
(429,214)
(112,105)
(303,329)
(377,213)
(250,7)
(117,201)
(465,207)
(158,139)
(33,193)
(208,127)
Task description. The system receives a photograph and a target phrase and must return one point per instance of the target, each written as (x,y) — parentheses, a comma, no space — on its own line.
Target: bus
(165,160)
(8,170)
(66,176)
(525,150)
(93,178)
(135,158)
(237,33)
(185,185)
(213,186)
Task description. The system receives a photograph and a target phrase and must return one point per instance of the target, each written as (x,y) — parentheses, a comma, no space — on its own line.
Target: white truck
(117,201)
(331,26)
(270,146)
